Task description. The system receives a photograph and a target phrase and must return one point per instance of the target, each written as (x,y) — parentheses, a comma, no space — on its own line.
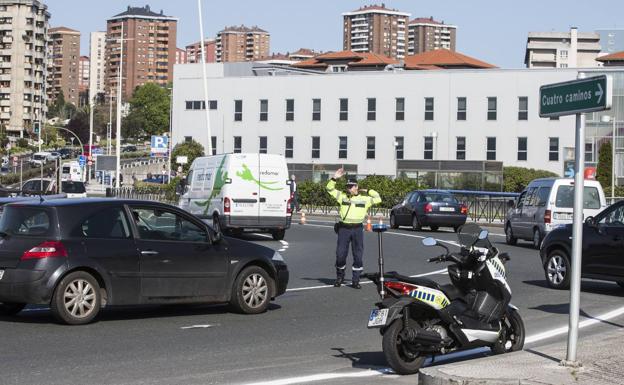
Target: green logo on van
(248,176)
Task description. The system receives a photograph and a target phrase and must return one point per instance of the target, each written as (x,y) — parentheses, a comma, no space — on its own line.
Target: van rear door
(274,188)
(564,202)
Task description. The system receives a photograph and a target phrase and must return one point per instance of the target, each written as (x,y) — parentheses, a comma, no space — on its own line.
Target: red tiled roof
(304,51)
(340,55)
(310,63)
(443,58)
(618,56)
(354,59)
(369,59)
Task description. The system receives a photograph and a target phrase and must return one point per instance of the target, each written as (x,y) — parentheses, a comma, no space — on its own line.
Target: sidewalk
(600,355)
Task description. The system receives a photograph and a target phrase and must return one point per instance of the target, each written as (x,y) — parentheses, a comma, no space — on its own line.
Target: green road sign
(576,96)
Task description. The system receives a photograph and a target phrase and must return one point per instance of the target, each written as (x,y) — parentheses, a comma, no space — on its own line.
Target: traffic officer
(353,209)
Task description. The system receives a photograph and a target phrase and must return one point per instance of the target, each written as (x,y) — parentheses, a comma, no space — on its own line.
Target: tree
(149,112)
(79,124)
(515,179)
(190,149)
(605,165)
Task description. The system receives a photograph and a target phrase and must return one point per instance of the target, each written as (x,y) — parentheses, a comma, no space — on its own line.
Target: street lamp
(606,119)
(205,77)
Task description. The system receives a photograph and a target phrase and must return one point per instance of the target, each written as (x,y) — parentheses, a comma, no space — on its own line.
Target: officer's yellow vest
(353,209)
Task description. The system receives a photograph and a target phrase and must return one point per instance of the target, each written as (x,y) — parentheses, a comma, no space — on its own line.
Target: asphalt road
(314,331)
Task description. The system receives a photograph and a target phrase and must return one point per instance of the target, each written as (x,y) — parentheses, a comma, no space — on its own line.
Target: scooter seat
(452,292)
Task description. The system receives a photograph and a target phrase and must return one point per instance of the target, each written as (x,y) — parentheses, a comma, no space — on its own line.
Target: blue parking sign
(82,160)
(159,146)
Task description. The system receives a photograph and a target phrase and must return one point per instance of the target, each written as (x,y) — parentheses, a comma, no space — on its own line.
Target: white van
(72,171)
(547,203)
(240,192)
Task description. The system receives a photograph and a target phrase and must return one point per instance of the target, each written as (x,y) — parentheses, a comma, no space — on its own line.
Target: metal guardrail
(135,193)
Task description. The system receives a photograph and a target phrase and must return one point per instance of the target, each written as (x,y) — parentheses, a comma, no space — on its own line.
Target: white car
(39,159)
(54,155)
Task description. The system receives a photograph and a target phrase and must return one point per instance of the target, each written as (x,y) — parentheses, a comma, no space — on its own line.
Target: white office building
(377,122)
(571,49)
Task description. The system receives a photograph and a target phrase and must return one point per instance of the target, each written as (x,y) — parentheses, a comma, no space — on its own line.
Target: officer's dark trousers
(355,237)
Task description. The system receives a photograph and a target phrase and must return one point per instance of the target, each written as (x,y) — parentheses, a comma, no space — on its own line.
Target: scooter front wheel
(400,358)
(512,336)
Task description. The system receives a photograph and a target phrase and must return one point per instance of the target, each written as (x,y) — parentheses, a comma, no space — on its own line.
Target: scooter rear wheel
(399,358)
(512,335)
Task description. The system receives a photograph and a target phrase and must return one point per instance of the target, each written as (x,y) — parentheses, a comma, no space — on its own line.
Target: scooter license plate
(377,318)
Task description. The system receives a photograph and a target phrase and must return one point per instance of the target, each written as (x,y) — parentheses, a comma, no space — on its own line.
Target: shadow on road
(362,360)
(594,287)
(564,308)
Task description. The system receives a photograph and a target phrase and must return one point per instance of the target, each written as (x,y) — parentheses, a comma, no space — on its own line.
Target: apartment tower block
(237,44)
(426,34)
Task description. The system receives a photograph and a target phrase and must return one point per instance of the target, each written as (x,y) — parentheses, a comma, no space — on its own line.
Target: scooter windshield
(468,235)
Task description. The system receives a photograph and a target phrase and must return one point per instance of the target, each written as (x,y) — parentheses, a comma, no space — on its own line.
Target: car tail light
(547,216)
(226,205)
(401,287)
(463,209)
(48,249)
(428,208)
(289,206)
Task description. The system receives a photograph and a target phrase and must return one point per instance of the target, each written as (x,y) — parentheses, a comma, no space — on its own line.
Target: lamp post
(205,81)
(607,119)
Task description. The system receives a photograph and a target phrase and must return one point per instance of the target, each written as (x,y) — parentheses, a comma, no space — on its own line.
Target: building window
(460,154)
(344,109)
(213,142)
(316,109)
(262,147)
(188,139)
(428,108)
(342,147)
(264,110)
(523,108)
(491,148)
(370,147)
(522,148)
(372,109)
(400,109)
(238,110)
(288,153)
(290,110)
(461,108)
(428,147)
(589,152)
(212,104)
(238,144)
(316,147)
(398,146)
(563,54)
(491,114)
(553,149)
(563,65)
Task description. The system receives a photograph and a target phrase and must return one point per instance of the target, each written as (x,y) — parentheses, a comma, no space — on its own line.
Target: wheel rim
(79,298)
(255,290)
(556,269)
(510,337)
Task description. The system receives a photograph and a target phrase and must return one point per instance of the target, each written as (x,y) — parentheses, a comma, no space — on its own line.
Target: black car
(78,255)
(603,242)
(129,148)
(433,208)
(66,153)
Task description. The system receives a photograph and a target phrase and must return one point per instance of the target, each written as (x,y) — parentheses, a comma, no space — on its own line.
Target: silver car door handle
(149,252)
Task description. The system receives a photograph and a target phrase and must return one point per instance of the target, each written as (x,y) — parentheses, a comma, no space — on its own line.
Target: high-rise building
(181,56)
(149,48)
(64,55)
(426,34)
(571,49)
(83,71)
(376,29)
(97,66)
(194,54)
(236,44)
(23,62)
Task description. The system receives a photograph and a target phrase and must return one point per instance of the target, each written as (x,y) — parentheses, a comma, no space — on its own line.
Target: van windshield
(565,197)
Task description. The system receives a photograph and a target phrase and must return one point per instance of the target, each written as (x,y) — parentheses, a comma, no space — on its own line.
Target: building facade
(571,49)
(376,29)
(97,64)
(84,69)
(239,44)
(371,120)
(149,49)
(64,65)
(23,64)
(426,34)
(181,56)
(194,53)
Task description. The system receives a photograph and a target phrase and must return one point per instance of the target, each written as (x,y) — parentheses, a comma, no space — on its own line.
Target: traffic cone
(302,220)
(369,226)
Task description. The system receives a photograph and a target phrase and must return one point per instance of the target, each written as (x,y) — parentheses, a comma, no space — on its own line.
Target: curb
(434,376)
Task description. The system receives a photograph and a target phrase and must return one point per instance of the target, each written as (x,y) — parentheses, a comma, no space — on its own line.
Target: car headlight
(277,257)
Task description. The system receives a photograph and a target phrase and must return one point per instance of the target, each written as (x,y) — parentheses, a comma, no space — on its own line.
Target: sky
(494,31)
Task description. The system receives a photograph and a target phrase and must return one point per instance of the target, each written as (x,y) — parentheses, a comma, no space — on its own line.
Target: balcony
(5,115)
(359,49)
(5,64)
(359,43)
(5,102)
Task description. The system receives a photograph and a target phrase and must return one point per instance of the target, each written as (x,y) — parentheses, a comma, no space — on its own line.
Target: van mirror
(511,203)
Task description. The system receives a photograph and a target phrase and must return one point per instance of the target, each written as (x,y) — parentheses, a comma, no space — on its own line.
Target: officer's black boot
(339,278)
(355,282)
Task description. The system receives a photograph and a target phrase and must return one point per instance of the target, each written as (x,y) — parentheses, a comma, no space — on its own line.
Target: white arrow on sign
(599,93)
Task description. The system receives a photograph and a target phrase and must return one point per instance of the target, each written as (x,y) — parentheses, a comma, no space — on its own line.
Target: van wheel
(77,299)
(278,235)
(537,238)
(509,238)
(216,224)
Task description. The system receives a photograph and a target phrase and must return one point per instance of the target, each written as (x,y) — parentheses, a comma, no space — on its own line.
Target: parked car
(39,159)
(547,203)
(47,186)
(603,241)
(54,155)
(129,148)
(66,153)
(77,255)
(156,178)
(433,208)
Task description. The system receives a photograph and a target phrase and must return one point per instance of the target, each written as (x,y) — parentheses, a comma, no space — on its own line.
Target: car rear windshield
(437,197)
(39,157)
(26,221)
(73,187)
(565,197)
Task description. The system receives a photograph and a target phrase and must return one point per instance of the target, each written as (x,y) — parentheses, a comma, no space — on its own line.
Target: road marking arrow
(599,93)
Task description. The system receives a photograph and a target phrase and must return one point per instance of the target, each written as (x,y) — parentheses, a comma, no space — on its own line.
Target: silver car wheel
(556,269)
(255,290)
(79,298)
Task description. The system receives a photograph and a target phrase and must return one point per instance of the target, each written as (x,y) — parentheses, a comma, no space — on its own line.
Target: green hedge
(14,178)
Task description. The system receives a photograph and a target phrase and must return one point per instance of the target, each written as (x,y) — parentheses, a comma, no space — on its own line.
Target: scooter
(419,318)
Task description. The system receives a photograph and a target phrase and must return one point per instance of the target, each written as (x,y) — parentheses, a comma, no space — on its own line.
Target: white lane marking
(441,271)
(263,235)
(326,376)
(197,327)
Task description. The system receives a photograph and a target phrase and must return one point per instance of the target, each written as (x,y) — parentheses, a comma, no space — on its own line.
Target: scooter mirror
(429,242)
(483,234)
